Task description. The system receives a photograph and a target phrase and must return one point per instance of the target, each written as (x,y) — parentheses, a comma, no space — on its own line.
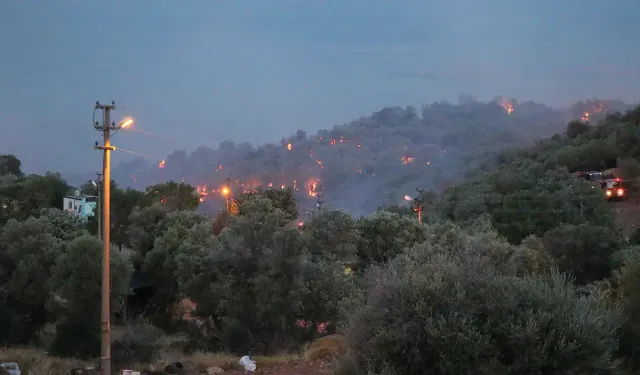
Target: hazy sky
(201,71)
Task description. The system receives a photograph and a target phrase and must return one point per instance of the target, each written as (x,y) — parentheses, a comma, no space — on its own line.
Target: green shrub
(141,343)
(441,315)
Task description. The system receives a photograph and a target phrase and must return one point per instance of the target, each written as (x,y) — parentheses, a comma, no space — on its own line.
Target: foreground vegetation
(521,269)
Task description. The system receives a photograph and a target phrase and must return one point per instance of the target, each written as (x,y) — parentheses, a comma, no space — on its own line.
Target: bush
(445,316)
(625,285)
(76,338)
(141,343)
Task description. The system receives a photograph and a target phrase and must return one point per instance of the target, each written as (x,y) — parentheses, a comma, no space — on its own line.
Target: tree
(331,234)
(76,284)
(160,263)
(428,313)
(584,250)
(28,251)
(175,195)
(9,164)
(282,199)
(577,127)
(143,224)
(247,283)
(123,203)
(383,235)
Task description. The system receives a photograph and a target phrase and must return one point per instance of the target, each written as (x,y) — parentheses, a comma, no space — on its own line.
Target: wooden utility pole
(106,128)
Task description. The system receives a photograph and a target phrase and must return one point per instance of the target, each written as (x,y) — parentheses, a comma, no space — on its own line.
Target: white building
(82,206)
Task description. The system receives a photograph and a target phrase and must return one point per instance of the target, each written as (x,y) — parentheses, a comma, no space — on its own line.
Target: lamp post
(225,193)
(106,128)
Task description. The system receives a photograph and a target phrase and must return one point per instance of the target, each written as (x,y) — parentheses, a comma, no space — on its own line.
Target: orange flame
(407,160)
(312,187)
(161,165)
(289,146)
(407,198)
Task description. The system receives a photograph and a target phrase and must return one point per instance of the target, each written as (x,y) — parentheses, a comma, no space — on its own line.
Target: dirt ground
(319,367)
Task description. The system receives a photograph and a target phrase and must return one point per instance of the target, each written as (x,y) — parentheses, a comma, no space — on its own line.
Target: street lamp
(106,128)
(225,193)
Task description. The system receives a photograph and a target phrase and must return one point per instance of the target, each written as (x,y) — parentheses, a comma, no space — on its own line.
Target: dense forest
(520,268)
(372,161)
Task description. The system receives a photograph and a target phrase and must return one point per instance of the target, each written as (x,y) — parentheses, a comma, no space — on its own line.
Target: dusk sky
(198,72)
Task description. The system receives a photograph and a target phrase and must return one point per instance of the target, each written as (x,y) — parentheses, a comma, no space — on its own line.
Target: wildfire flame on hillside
(507,105)
(312,186)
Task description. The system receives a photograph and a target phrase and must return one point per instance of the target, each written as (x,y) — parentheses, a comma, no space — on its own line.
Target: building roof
(78,197)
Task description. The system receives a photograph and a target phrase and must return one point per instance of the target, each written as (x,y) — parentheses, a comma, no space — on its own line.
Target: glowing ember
(407,198)
(202,190)
(585,117)
(407,160)
(289,146)
(333,141)
(161,165)
(300,223)
(219,168)
(319,162)
(134,178)
(358,146)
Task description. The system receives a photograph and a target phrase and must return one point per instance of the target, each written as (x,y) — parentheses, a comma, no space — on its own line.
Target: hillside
(535,187)
(372,161)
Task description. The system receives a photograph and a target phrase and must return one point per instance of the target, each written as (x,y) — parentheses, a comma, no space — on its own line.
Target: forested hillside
(532,190)
(519,269)
(372,161)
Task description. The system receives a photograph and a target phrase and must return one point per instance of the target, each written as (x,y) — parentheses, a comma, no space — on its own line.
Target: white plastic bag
(247,363)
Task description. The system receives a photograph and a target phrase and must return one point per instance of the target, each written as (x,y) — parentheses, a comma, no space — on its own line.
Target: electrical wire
(133,152)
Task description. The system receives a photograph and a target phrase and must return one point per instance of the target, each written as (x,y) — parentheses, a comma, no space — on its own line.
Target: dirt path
(299,368)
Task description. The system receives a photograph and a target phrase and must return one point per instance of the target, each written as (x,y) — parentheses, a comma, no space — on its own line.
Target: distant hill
(372,161)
